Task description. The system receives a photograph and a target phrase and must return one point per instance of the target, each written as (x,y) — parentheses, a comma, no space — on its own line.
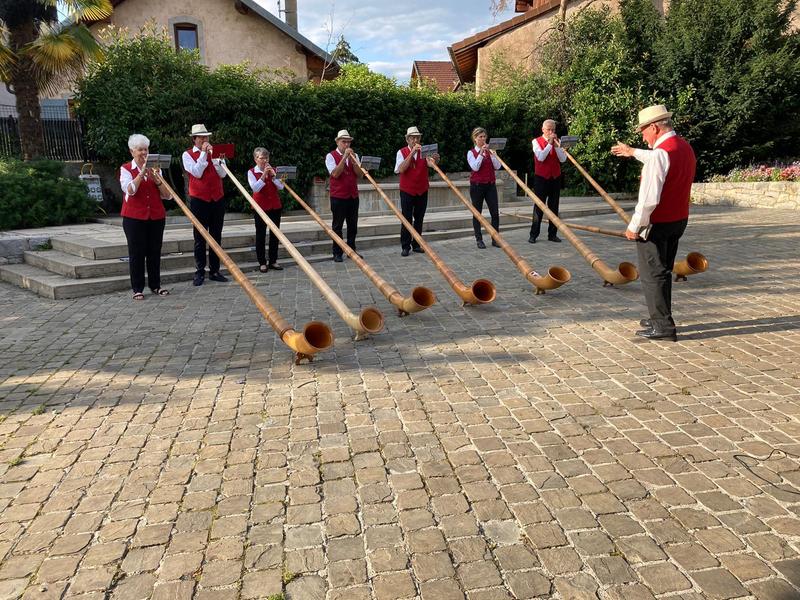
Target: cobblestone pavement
(170,449)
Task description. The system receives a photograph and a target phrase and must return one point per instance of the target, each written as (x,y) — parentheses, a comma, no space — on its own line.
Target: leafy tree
(37,55)
(342,54)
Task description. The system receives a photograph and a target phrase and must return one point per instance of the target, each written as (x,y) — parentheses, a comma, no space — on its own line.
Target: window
(186,37)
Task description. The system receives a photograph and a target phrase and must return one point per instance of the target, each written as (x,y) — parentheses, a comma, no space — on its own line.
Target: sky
(389,35)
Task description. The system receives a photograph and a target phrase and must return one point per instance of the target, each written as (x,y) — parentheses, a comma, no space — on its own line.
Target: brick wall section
(762,194)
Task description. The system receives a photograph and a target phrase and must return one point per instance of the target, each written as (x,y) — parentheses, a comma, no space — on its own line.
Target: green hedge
(144,86)
(36,194)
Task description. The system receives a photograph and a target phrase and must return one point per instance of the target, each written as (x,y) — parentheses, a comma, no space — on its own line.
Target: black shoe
(653,334)
(555,238)
(418,250)
(359,255)
(276,267)
(198,279)
(337,258)
(218,277)
(481,245)
(531,240)
(646,323)
(405,252)
(495,244)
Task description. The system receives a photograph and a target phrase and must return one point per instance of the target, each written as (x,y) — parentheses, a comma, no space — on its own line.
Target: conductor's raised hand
(621,149)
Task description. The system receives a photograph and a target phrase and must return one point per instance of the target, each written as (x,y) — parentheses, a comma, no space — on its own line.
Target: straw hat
(651,114)
(199,129)
(343,135)
(413,131)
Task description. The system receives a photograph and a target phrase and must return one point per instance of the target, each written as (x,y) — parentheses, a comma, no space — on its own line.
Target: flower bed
(789,172)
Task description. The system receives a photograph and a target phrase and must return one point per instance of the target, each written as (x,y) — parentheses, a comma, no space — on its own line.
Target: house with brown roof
(439,72)
(230,32)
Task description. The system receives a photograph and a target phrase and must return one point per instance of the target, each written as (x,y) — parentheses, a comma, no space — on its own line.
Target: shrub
(36,194)
(788,172)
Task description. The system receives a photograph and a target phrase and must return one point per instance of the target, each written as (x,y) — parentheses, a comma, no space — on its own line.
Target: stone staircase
(91,260)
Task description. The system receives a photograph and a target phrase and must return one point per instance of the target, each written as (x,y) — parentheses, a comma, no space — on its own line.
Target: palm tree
(38,55)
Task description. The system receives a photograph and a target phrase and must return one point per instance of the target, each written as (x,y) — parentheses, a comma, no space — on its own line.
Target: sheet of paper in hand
(370,163)
(497,143)
(158,161)
(286,172)
(568,141)
(429,150)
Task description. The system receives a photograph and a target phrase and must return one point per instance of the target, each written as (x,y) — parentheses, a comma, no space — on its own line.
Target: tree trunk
(27,94)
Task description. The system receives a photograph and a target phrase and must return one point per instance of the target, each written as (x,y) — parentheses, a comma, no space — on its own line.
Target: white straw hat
(343,135)
(651,114)
(413,131)
(199,129)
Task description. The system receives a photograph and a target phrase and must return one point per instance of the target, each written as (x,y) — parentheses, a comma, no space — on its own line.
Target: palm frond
(89,10)
(7,61)
(59,55)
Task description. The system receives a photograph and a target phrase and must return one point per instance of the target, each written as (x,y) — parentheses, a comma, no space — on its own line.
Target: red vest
(209,186)
(145,204)
(486,173)
(414,180)
(346,184)
(267,198)
(550,167)
(674,202)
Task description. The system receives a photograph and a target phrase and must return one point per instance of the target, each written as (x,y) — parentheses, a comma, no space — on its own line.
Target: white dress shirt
(475,163)
(126,180)
(196,167)
(654,173)
(542,153)
(330,162)
(257,184)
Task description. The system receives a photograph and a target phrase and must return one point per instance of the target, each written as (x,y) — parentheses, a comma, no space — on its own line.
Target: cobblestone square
(530,448)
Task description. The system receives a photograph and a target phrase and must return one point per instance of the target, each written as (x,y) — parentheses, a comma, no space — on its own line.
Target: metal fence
(63,136)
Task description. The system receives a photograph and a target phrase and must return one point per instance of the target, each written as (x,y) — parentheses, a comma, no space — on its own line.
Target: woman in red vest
(413,171)
(483,163)
(206,200)
(343,165)
(265,192)
(143,217)
(547,158)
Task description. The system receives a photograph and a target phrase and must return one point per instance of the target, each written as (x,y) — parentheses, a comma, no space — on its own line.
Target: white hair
(548,123)
(137,140)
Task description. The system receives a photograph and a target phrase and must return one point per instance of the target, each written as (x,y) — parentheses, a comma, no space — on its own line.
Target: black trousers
(413,208)
(212,217)
(478,192)
(344,210)
(549,192)
(144,248)
(261,237)
(656,259)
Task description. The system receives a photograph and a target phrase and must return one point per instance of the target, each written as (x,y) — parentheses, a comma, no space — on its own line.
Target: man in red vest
(343,166)
(547,158)
(413,171)
(661,213)
(206,200)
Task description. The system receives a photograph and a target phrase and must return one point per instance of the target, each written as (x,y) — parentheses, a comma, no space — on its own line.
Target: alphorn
(693,263)
(556,276)
(482,291)
(420,298)
(626,271)
(316,335)
(369,320)
(571,225)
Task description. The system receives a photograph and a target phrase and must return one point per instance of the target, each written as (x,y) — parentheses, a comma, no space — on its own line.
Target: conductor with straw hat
(661,213)
(343,166)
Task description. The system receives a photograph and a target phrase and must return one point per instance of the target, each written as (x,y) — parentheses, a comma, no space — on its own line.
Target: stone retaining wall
(760,194)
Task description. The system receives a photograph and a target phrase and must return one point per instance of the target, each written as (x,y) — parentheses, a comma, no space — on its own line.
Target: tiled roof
(441,72)
(465,53)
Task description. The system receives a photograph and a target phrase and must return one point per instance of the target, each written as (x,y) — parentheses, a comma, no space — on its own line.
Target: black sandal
(138,296)
(161,292)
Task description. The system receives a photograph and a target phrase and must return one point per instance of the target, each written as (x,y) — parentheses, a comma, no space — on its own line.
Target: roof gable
(441,72)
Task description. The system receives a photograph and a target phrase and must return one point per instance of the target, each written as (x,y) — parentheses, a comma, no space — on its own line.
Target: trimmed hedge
(36,194)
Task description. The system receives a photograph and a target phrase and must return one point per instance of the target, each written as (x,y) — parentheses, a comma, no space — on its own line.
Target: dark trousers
(478,192)
(656,259)
(413,208)
(549,192)
(144,247)
(261,237)
(344,210)
(211,215)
